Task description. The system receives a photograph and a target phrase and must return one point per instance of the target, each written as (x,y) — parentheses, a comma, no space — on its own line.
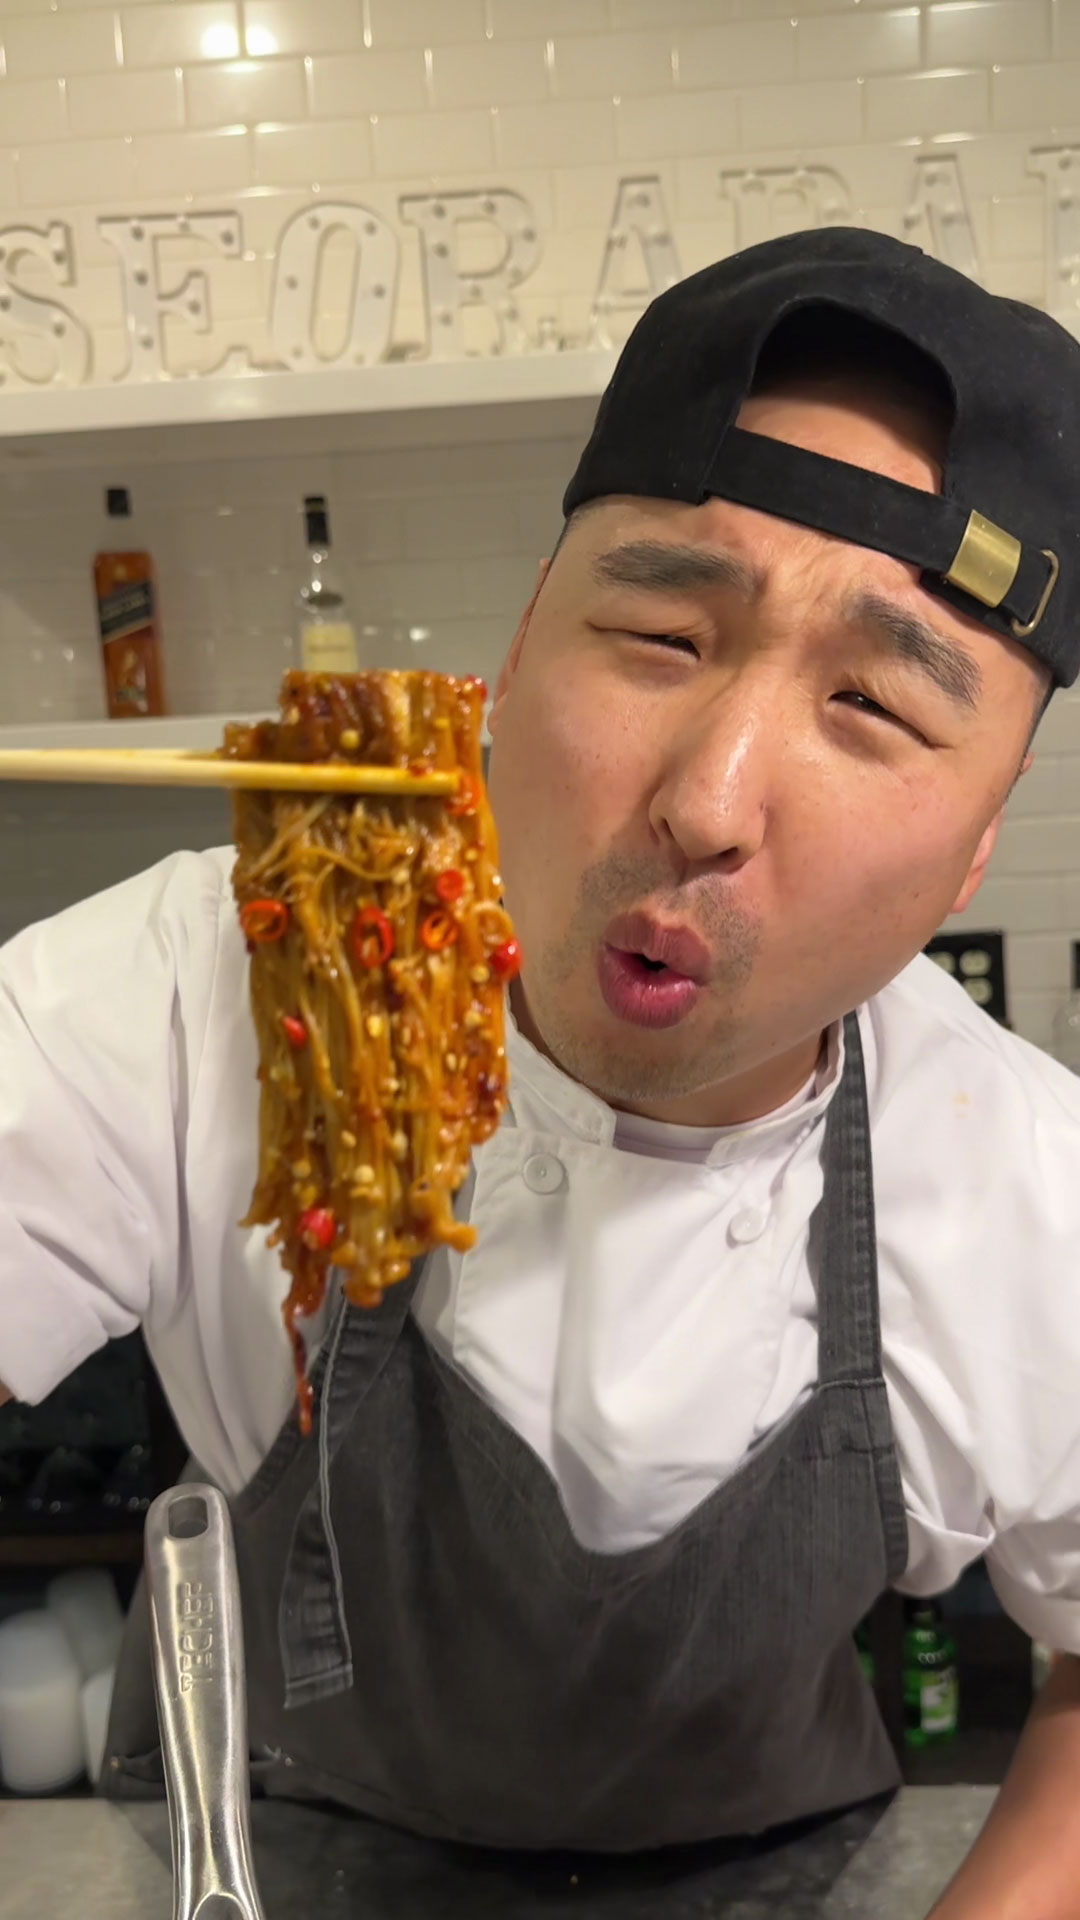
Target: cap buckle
(1028,626)
(986,562)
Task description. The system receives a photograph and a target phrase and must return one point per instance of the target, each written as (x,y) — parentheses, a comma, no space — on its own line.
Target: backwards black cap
(1001,541)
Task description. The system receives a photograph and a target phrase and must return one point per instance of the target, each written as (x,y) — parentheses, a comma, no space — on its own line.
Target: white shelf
(406,404)
(196,731)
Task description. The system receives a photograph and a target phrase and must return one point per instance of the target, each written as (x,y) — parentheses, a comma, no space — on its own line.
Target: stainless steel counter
(106,1862)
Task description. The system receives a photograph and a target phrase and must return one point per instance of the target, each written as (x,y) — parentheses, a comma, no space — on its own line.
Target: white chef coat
(641,1317)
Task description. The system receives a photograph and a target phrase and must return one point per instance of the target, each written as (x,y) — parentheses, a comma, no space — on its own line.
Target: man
(774,1301)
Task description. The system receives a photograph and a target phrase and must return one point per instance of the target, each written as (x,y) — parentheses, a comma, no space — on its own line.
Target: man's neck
(730,1103)
(746,1097)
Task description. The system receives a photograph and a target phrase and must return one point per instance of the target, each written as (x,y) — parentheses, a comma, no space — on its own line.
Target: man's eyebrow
(660,567)
(911,640)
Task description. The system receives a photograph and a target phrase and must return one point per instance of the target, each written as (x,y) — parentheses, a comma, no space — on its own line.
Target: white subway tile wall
(158,36)
(34,110)
(302,26)
(968,33)
(232,92)
(496,73)
(887,42)
(1048,94)
(391,80)
(38,44)
(110,103)
(739,54)
(159,105)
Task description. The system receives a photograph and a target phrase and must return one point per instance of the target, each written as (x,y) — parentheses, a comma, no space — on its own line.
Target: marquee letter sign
(146,304)
(22,313)
(639,214)
(1059,170)
(820,194)
(294,301)
(938,198)
(477,250)
(448,289)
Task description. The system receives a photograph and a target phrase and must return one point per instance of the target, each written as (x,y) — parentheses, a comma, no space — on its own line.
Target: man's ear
(985,848)
(977,870)
(509,665)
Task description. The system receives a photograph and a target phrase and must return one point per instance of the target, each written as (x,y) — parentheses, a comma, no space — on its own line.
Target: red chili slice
(318,1228)
(450,886)
(264,920)
(372,937)
(295,1031)
(438,931)
(506,960)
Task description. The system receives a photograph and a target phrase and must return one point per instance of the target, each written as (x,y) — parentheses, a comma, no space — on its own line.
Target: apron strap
(843,1250)
(313,1638)
(849,1320)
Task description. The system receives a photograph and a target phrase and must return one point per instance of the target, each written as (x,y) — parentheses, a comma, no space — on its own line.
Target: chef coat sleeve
(1035,1564)
(103,1015)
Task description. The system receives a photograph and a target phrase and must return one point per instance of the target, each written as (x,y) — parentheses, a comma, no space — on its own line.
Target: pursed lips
(679,949)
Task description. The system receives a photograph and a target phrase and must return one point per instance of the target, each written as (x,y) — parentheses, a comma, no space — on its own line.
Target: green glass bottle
(931,1683)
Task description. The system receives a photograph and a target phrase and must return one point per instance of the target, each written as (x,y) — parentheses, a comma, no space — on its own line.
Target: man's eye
(674,642)
(872,707)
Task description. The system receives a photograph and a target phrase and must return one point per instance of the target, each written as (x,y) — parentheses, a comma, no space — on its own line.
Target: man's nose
(712,802)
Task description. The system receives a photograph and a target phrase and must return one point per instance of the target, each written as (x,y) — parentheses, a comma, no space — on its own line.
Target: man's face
(765,754)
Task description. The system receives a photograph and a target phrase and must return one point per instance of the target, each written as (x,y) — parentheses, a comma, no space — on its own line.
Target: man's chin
(623,1065)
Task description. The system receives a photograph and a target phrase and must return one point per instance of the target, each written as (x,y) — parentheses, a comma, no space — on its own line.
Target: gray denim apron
(427,1641)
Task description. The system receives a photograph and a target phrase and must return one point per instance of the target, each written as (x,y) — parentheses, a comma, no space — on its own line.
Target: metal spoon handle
(198,1650)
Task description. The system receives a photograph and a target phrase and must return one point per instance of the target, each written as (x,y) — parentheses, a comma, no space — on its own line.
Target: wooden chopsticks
(179,767)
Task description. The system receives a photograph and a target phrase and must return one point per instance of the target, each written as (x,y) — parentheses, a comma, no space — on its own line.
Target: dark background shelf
(113,1402)
(994,1663)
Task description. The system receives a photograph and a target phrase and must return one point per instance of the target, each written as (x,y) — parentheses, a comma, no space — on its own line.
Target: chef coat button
(748,1225)
(542,1173)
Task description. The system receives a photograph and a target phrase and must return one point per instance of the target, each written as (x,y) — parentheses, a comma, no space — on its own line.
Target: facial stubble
(635,1066)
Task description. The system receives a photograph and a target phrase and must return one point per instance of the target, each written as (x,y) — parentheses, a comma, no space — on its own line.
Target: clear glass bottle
(1066,1030)
(325,635)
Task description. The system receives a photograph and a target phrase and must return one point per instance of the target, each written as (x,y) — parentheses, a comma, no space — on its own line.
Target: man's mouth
(663,947)
(651,975)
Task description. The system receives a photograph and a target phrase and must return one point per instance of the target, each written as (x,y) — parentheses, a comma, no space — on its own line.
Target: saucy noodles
(379,958)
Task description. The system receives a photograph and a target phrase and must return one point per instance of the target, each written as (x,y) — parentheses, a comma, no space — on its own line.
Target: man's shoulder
(931,1043)
(176,909)
(976,1154)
